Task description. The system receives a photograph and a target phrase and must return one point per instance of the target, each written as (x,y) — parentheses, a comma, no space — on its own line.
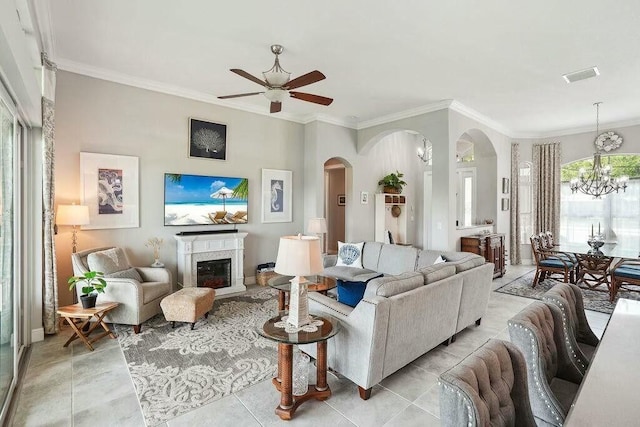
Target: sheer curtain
(515,205)
(50,282)
(546,187)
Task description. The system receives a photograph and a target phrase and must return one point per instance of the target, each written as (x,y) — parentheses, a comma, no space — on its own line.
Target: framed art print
(109,187)
(276,195)
(207,140)
(342,200)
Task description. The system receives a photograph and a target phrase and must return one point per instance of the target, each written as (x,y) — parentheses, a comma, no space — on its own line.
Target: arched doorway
(335,190)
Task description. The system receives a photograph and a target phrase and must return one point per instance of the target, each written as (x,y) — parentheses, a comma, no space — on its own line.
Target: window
(525,201)
(616,215)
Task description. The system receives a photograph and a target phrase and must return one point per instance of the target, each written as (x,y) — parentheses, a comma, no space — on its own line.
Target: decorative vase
(157,263)
(391,190)
(88,301)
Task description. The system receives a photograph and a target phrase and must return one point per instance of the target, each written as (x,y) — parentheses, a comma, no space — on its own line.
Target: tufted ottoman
(187,305)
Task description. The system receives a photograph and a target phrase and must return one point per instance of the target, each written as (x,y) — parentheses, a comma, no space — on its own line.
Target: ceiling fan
(277,84)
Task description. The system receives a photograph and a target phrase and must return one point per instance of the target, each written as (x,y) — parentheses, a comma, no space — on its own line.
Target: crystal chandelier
(597,181)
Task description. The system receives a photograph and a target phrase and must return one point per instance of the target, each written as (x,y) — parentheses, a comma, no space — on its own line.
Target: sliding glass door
(7,133)
(11,296)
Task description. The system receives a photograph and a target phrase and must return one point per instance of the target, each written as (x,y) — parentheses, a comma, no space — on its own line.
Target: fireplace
(212,260)
(215,273)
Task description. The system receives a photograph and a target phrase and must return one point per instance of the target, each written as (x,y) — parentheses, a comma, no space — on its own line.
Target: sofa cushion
(463,260)
(350,254)
(397,259)
(129,273)
(389,286)
(427,257)
(108,261)
(154,290)
(437,272)
(350,273)
(371,255)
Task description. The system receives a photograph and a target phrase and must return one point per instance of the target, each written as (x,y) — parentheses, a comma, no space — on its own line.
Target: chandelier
(597,181)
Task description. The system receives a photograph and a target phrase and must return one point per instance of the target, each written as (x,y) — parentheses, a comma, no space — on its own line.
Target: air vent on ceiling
(581,75)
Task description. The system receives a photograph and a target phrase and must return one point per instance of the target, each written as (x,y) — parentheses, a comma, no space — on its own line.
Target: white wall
(93,115)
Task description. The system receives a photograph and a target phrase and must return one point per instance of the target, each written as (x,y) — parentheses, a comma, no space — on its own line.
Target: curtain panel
(514,241)
(50,281)
(547,160)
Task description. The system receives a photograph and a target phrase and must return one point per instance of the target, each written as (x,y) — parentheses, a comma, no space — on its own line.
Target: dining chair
(581,342)
(488,387)
(625,272)
(593,271)
(551,262)
(553,377)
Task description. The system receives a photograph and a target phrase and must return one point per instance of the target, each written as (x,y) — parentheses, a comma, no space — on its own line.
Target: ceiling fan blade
(248,76)
(306,79)
(317,99)
(276,107)
(239,95)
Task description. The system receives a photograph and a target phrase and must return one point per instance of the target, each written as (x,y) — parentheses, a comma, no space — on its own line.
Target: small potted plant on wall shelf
(92,284)
(393,183)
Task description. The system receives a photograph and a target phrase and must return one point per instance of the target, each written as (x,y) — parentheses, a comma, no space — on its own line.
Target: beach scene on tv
(205,200)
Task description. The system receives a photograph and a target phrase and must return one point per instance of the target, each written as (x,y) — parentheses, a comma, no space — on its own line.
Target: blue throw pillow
(350,293)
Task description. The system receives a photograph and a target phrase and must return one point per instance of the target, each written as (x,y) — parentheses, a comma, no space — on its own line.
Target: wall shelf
(384,219)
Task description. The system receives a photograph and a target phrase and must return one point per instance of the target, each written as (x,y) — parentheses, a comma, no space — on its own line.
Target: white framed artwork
(109,186)
(277,192)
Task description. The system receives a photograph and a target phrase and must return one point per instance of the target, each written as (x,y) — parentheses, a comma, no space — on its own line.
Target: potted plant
(393,183)
(92,284)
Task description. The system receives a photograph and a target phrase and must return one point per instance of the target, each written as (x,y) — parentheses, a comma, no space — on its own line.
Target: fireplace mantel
(204,247)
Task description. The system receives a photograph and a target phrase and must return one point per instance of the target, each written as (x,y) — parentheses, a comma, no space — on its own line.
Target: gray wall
(98,116)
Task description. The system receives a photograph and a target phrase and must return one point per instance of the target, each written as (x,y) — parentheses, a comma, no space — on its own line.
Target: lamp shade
(317,225)
(72,215)
(299,256)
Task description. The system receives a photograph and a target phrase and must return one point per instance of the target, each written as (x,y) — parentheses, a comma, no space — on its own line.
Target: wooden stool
(187,305)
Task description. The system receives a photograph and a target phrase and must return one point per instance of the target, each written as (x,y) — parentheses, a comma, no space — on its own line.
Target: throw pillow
(439,260)
(350,293)
(130,273)
(108,261)
(350,254)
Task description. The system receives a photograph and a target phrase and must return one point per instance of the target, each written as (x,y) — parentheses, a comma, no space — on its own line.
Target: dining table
(608,394)
(612,250)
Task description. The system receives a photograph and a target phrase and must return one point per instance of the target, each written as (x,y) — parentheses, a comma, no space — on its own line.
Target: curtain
(515,206)
(50,282)
(546,187)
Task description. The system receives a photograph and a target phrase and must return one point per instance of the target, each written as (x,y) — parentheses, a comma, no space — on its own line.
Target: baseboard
(37,335)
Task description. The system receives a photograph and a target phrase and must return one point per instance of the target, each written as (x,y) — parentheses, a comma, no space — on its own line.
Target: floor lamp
(318,226)
(73,215)
(299,256)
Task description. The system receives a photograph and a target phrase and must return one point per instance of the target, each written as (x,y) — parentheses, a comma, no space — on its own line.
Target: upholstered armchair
(553,377)
(139,290)
(581,342)
(489,387)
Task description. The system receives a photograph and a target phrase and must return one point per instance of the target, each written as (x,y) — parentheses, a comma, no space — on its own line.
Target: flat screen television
(205,200)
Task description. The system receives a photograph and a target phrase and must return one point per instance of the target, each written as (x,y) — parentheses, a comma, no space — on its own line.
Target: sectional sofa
(413,308)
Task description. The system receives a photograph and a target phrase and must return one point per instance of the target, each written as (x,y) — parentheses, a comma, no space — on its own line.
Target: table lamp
(318,226)
(73,215)
(299,256)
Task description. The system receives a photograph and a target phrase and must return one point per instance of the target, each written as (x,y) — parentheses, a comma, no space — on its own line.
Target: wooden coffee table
(78,318)
(284,381)
(321,284)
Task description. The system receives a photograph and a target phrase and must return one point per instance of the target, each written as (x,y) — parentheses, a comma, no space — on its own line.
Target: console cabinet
(391,216)
(490,246)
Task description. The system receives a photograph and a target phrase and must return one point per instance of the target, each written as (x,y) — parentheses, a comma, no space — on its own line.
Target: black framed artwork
(207,140)
(342,200)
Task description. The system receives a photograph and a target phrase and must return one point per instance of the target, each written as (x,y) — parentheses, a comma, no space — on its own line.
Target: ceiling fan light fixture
(275,95)
(276,76)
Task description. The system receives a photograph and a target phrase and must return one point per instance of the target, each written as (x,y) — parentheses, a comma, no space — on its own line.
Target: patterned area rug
(178,370)
(596,300)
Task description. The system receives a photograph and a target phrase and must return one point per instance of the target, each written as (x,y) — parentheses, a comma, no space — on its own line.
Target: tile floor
(74,387)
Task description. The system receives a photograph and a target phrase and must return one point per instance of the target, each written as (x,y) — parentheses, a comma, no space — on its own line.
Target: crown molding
(429,108)
(351,124)
(480,118)
(125,79)
(577,130)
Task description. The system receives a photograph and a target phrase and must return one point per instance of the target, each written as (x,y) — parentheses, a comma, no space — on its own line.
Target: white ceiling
(503,58)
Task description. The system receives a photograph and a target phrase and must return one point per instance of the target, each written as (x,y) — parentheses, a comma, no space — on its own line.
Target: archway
(335,206)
